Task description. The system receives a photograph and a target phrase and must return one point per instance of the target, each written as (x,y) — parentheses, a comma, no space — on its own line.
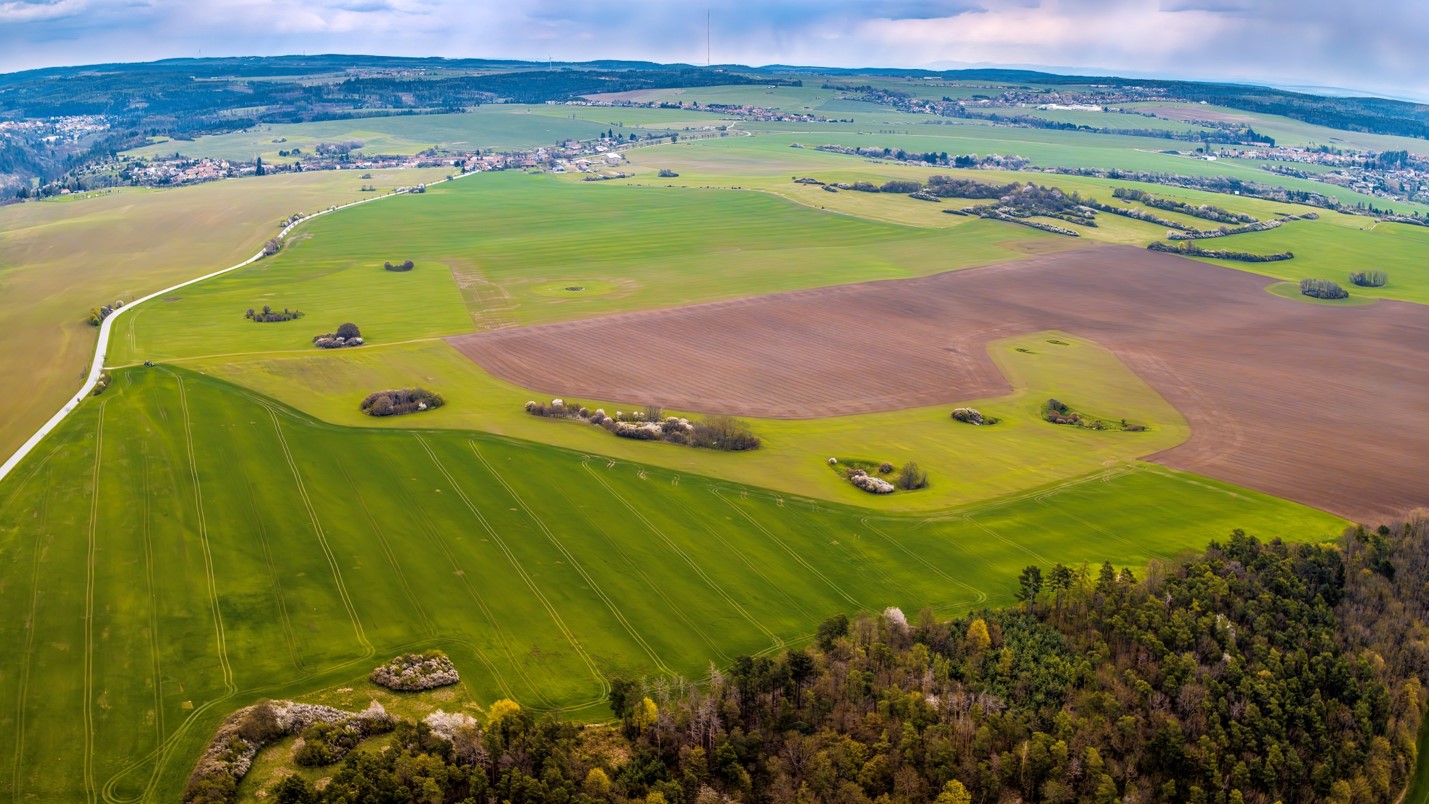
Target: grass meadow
(183,546)
(965,464)
(59,259)
(497,250)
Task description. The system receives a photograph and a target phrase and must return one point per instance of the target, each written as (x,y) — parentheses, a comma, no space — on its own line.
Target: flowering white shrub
(447,724)
(416,671)
(872,485)
(896,618)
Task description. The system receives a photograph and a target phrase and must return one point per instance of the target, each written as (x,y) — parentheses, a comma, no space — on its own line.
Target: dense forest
(1252,672)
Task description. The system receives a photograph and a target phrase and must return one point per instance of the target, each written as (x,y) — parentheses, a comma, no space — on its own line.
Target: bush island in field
(1058,412)
(973,416)
(713,432)
(1322,289)
(412,672)
(268,315)
(869,483)
(400,401)
(401,266)
(1369,279)
(239,739)
(1188,249)
(865,475)
(347,335)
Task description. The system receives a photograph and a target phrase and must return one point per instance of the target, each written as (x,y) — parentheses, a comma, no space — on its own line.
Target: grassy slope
(965,463)
(59,259)
(230,549)
(513,238)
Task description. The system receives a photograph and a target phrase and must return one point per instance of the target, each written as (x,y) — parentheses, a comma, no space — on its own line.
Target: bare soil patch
(1322,405)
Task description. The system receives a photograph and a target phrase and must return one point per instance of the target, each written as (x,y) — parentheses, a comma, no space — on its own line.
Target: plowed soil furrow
(1324,405)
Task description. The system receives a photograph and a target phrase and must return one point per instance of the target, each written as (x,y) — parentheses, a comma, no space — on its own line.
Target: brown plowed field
(1324,405)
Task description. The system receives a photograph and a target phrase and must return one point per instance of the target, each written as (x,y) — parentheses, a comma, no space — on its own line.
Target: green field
(227,526)
(965,464)
(496,243)
(230,549)
(497,126)
(59,259)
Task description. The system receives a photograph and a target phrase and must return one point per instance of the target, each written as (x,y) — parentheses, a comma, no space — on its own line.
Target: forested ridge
(1252,672)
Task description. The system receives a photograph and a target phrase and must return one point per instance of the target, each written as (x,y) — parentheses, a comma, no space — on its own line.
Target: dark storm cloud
(1309,42)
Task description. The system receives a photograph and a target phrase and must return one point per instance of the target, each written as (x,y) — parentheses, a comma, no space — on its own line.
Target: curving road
(96,367)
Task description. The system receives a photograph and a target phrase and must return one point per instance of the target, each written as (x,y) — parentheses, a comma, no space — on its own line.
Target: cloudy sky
(1374,46)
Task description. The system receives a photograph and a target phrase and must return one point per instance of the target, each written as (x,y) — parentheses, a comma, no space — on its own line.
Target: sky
(1373,47)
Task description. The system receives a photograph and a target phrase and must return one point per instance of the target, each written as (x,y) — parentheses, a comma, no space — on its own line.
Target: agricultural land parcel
(278,551)
(60,258)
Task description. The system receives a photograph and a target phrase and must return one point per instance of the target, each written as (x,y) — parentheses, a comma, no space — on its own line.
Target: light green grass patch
(970,463)
(1291,290)
(493,246)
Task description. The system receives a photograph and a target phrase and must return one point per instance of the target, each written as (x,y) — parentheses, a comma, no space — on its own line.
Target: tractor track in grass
(24,682)
(391,556)
(155,655)
(839,590)
(211,581)
(677,550)
(574,564)
(93,536)
(332,562)
(284,619)
(531,584)
(867,522)
(501,637)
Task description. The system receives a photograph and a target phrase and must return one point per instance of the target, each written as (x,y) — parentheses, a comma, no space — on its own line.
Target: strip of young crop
(539,600)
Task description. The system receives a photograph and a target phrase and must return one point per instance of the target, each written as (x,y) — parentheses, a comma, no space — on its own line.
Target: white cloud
(24,11)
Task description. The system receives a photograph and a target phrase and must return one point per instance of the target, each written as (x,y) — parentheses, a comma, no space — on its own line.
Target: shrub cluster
(869,483)
(1224,231)
(412,672)
(666,173)
(1202,211)
(1369,279)
(400,401)
(98,314)
(406,265)
(239,739)
(1193,250)
(713,432)
(972,416)
(1058,413)
(346,335)
(268,315)
(1322,289)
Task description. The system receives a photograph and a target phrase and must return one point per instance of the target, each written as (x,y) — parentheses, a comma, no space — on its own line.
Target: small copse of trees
(1058,412)
(268,315)
(1322,289)
(406,265)
(1369,279)
(347,335)
(972,416)
(400,401)
(713,432)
